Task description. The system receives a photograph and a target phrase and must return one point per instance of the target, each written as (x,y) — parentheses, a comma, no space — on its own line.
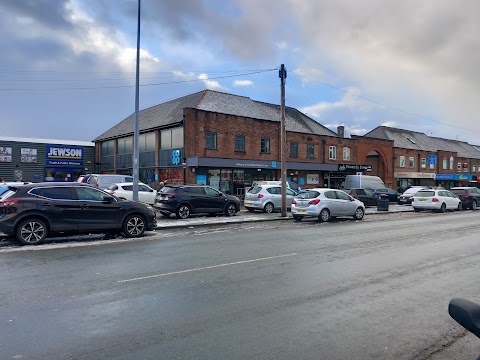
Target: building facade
(36,160)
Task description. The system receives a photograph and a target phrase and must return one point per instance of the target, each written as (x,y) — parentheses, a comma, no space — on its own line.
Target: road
(372,289)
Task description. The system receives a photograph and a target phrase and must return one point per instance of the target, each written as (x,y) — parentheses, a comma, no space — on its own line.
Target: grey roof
(408,139)
(170,113)
(47,141)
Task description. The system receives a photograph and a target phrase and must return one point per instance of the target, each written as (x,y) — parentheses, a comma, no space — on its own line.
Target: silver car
(267,198)
(325,204)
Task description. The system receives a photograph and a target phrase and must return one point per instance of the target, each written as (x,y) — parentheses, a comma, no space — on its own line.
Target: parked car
(289,185)
(103,181)
(438,200)
(33,212)
(391,194)
(364,195)
(267,198)
(4,186)
(406,197)
(125,191)
(325,204)
(470,196)
(184,200)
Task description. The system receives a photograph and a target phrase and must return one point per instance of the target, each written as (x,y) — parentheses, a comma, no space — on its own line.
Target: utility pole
(136,127)
(283,75)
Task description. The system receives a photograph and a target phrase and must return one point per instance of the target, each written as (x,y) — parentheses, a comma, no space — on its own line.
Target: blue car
(391,194)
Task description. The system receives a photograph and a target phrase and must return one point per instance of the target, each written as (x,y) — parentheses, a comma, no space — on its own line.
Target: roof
(408,139)
(170,113)
(47,141)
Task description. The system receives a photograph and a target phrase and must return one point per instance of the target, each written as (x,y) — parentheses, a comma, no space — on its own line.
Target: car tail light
(294,201)
(260,196)
(435,200)
(7,203)
(314,202)
(466,196)
(413,199)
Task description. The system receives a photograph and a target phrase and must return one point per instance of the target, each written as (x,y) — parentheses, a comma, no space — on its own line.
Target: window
(239,142)
(459,166)
(402,161)
(332,153)
(411,161)
(451,162)
(294,149)
(57,193)
(310,151)
(346,153)
(424,163)
(177,137)
(87,193)
(445,163)
(465,167)
(473,168)
(211,140)
(265,146)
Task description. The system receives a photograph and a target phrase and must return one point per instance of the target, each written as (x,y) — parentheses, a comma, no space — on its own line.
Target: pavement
(244,216)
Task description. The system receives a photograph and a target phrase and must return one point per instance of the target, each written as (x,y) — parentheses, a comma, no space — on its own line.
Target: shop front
(64,163)
(409,178)
(336,179)
(450,180)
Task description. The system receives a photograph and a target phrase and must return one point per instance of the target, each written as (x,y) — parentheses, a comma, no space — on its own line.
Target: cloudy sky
(67,69)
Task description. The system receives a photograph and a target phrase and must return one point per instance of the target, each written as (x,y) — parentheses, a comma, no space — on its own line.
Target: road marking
(207,267)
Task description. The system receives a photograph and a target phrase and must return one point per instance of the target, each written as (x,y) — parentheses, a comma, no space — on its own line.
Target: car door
(216,200)
(96,213)
(145,194)
(198,198)
(275,195)
(453,199)
(290,196)
(333,203)
(60,205)
(346,205)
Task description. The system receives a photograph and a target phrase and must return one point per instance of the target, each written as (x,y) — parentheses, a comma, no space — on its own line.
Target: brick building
(229,141)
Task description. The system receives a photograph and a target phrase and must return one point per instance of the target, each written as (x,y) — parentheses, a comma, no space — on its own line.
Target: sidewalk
(244,216)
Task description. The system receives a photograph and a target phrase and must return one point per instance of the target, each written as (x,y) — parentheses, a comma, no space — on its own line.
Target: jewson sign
(64,155)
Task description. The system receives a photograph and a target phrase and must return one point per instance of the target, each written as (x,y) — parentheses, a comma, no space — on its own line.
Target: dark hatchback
(364,195)
(34,211)
(184,200)
(470,196)
(391,194)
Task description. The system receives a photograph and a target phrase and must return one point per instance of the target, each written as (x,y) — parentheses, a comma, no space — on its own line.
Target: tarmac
(244,216)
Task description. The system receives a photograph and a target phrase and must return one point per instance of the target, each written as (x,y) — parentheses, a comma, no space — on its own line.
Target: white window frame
(411,162)
(346,153)
(332,153)
(402,161)
(424,163)
(445,164)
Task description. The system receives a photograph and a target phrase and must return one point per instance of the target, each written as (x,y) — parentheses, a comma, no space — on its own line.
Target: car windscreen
(308,195)
(293,185)
(459,191)
(412,191)
(168,190)
(255,190)
(425,193)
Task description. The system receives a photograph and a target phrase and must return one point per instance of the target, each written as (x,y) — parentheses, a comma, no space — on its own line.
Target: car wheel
(359,213)
(183,212)
(443,208)
(268,208)
(250,209)
(324,215)
(230,210)
(474,205)
(133,226)
(31,232)
(297,218)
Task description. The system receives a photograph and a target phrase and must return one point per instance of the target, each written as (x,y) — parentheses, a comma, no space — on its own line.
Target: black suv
(470,196)
(34,211)
(183,200)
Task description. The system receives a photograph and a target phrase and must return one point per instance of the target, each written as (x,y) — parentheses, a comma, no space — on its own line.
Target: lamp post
(136,126)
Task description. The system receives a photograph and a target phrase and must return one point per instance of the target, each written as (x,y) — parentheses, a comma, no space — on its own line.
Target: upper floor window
(451,162)
(239,142)
(402,161)
(473,168)
(211,140)
(411,161)
(265,146)
(459,166)
(332,153)
(346,153)
(424,163)
(465,167)
(444,163)
(310,151)
(293,149)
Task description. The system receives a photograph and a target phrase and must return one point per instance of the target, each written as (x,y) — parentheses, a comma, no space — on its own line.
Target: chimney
(341,131)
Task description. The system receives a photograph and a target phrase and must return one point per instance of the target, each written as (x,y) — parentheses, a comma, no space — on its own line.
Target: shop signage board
(413,175)
(354,167)
(64,155)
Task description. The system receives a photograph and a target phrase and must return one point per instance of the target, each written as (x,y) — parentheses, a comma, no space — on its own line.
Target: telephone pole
(283,75)
(136,125)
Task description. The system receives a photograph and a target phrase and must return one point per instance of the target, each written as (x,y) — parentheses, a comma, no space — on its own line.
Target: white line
(206,268)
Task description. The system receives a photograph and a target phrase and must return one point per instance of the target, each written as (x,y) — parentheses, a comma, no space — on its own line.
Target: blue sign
(432,159)
(443,176)
(64,152)
(274,164)
(202,179)
(176,157)
(462,177)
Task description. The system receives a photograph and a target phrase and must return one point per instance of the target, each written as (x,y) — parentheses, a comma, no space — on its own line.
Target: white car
(267,198)
(439,200)
(125,191)
(325,204)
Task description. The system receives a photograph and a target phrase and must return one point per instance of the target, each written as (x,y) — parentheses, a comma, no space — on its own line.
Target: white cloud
(210,84)
(243,83)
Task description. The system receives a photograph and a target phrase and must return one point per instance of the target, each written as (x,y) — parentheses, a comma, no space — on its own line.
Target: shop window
(402,161)
(265,146)
(211,140)
(332,153)
(346,153)
(310,151)
(424,163)
(294,149)
(240,143)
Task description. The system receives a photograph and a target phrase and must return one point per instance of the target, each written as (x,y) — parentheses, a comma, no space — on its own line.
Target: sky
(67,69)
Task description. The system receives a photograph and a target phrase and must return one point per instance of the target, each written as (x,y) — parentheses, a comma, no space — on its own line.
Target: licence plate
(422,199)
(301,211)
